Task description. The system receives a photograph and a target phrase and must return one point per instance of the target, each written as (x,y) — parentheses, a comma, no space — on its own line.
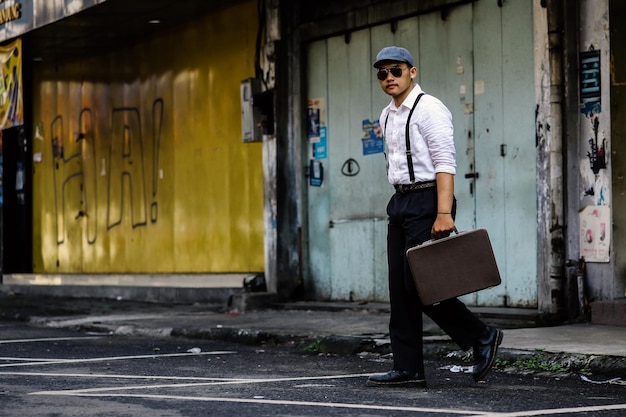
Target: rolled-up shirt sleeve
(431,139)
(435,126)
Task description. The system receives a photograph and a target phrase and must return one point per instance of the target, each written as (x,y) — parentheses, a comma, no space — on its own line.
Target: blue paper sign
(320,148)
(373,138)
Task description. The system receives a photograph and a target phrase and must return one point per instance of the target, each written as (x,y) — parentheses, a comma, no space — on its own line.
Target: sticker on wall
(479,87)
(597,152)
(595,179)
(319,147)
(590,92)
(372,138)
(595,233)
(316,173)
(316,127)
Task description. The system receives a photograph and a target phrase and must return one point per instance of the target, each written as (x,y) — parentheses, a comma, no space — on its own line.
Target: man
(422,207)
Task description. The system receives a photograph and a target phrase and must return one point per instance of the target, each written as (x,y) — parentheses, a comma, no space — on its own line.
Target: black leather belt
(416,186)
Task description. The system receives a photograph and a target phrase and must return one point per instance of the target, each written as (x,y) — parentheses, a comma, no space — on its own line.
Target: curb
(538,362)
(91,316)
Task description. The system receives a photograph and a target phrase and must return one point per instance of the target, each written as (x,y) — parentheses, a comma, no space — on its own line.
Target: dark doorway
(17,202)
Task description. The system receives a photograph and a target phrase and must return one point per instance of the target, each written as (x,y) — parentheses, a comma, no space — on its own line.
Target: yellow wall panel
(142,165)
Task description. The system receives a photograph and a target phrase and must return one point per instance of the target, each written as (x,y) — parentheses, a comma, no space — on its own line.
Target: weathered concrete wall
(594,188)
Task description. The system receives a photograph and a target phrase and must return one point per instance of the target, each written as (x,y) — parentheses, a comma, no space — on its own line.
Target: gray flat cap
(393,53)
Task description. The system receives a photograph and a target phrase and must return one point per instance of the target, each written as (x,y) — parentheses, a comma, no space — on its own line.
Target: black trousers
(411,217)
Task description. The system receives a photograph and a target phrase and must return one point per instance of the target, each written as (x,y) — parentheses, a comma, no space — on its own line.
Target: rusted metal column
(551,181)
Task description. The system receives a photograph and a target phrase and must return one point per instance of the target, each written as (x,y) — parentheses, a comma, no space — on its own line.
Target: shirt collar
(409,100)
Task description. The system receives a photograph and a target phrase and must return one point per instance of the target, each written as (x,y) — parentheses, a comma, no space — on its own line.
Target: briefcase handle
(432,237)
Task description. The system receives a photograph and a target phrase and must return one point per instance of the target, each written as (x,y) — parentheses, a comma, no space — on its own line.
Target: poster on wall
(316,127)
(595,233)
(316,173)
(11,112)
(372,139)
(590,88)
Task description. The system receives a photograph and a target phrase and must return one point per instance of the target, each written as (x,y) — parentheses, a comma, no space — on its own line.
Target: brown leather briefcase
(453,266)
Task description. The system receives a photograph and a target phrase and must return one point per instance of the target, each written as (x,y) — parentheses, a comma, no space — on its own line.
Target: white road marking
(279,402)
(106,359)
(119,392)
(208,381)
(203,384)
(554,411)
(466,413)
(118,376)
(30,359)
(50,339)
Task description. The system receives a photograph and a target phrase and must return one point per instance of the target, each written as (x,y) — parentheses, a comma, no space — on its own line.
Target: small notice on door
(316,173)
(595,233)
(317,133)
(372,138)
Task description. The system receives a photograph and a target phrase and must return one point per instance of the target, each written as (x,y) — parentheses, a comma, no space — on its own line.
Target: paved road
(55,372)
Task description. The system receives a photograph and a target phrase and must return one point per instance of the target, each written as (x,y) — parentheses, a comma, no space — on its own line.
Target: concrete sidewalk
(341,328)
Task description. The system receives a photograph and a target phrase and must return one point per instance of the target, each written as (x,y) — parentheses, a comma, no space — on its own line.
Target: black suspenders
(409,161)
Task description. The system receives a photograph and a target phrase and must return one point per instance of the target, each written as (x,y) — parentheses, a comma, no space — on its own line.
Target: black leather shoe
(485,353)
(397,378)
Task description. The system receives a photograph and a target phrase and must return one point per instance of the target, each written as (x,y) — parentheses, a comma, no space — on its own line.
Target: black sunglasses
(384,72)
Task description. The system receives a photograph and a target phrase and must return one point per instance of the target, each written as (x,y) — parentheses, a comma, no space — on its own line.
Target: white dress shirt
(431,137)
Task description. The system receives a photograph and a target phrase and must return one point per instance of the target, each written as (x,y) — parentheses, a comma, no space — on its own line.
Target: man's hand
(444,225)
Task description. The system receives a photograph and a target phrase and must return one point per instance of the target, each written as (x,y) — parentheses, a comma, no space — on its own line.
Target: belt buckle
(405,188)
